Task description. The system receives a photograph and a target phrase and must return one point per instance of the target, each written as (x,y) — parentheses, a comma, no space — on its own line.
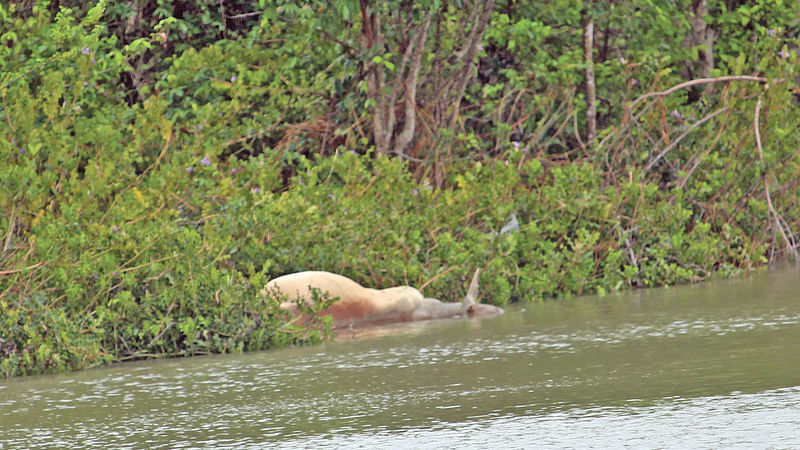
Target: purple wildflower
(622,60)
(233,170)
(330,196)
(783,54)
(22,151)
(771,32)
(675,114)
(189,169)
(205,161)
(415,192)
(234,78)
(525,149)
(256,189)
(86,50)
(515,144)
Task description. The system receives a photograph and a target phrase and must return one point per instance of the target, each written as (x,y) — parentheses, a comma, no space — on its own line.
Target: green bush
(144,220)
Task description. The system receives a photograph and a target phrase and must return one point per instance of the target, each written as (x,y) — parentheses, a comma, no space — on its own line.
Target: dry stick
(246,15)
(588,60)
(575,129)
(683,135)
(436,276)
(9,272)
(699,158)
(696,82)
(671,90)
(8,116)
(357,125)
(778,218)
(11,222)
(330,172)
(160,155)
(514,105)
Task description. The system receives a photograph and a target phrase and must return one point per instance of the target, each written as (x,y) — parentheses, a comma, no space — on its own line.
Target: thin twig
(575,129)
(634,118)
(683,135)
(697,81)
(789,243)
(11,222)
(589,81)
(699,158)
(436,276)
(10,272)
(246,15)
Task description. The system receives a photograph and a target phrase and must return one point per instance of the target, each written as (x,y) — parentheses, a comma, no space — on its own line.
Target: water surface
(710,365)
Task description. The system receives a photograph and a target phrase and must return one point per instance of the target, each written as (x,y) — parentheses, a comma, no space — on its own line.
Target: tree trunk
(410,116)
(702,35)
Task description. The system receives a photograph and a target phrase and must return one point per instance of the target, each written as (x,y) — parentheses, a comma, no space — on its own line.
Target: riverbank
(159,166)
(176,269)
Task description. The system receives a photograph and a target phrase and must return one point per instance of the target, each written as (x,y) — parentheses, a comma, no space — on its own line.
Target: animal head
(471,308)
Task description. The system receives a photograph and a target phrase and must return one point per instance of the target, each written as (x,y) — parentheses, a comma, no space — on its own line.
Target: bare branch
(246,15)
(476,35)
(411,90)
(683,135)
(791,244)
(588,59)
(617,136)
(697,159)
(398,79)
(473,21)
(9,272)
(696,82)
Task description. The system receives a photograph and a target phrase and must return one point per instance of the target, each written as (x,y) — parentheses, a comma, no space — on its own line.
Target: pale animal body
(358,305)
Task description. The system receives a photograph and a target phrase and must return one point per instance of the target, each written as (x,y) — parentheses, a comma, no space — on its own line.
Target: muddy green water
(705,366)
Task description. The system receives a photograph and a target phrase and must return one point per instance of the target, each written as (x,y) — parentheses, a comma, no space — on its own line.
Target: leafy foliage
(159,165)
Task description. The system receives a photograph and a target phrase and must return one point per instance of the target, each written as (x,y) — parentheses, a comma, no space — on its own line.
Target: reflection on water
(700,366)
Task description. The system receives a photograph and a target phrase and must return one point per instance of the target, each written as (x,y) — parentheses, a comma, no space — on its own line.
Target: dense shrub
(142,219)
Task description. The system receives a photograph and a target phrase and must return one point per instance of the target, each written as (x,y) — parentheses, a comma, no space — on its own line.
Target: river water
(704,366)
